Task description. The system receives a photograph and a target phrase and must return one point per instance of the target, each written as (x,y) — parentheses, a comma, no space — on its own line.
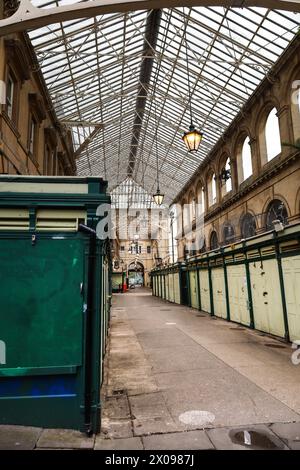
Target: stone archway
(136,274)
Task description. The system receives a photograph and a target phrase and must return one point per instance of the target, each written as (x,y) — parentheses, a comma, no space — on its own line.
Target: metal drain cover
(278,346)
(197,417)
(165,309)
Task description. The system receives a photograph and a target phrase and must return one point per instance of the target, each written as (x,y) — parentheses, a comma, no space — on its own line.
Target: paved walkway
(177,378)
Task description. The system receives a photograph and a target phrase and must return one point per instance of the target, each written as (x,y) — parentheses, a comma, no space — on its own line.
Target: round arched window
(228,233)
(214,243)
(276,211)
(248,226)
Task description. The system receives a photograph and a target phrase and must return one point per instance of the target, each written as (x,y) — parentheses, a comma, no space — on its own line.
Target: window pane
(272,135)
(246,159)
(229,180)
(214,189)
(9,96)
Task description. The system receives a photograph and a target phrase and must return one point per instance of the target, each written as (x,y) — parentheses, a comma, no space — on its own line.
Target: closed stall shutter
(171,287)
(238,294)
(193,289)
(204,290)
(167,286)
(291,275)
(176,288)
(219,293)
(266,297)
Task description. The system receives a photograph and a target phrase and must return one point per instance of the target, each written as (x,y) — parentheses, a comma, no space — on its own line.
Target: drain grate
(165,309)
(201,315)
(272,345)
(237,329)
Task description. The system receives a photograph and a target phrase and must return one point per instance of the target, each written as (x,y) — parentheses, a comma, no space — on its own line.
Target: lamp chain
(156,147)
(188,71)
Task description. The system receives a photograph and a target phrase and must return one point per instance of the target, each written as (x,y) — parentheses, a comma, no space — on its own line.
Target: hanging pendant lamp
(192,138)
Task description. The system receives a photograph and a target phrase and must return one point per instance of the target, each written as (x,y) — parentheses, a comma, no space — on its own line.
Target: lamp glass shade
(192,139)
(158,198)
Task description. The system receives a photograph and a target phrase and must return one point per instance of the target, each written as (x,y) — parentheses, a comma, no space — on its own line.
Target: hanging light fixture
(158,197)
(192,138)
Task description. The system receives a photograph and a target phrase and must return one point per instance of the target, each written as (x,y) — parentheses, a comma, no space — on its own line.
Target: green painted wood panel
(117,281)
(41,302)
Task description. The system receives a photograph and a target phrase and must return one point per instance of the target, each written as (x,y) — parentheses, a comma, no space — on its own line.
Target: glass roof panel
(96,73)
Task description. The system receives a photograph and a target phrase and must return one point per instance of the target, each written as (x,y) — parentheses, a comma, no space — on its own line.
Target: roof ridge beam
(150,40)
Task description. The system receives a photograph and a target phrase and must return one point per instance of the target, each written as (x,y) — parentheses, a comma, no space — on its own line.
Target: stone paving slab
(18,437)
(231,397)
(132,443)
(147,426)
(116,428)
(150,405)
(193,440)
(116,407)
(65,439)
(289,433)
(223,438)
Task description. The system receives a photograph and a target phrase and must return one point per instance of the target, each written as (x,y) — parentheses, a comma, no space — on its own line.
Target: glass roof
(94,72)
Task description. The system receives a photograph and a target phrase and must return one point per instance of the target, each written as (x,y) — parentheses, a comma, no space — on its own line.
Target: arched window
(276,211)
(295,108)
(272,135)
(214,243)
(226,179)
(246,167)
(212,190)
(200,200)
(248,226)
(193,209)
(228,233)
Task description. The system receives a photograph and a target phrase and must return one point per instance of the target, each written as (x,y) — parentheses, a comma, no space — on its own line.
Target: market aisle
(172,369)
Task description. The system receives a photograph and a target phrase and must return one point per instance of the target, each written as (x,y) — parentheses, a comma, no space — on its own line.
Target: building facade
(31,139)
(251,179)
(141,242)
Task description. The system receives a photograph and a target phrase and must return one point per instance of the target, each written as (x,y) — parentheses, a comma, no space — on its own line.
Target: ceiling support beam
(151,34)
(87,141)
(30,17)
